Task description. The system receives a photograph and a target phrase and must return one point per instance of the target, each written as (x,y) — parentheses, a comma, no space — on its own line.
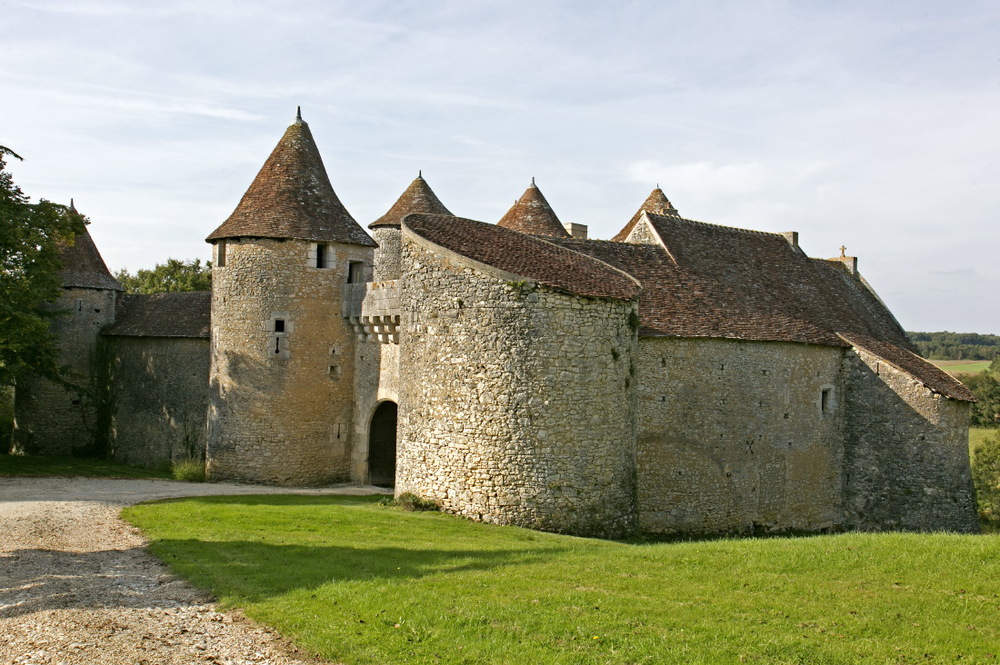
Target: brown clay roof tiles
(178,314)
(656,203)
(716,281)
(292,197)
(532,214)
(418,197)
(82,265)
(524,255)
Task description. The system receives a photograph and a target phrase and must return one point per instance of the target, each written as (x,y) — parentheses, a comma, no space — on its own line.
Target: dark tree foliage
(29,266)
(956,346)
(174,275)
(986,387)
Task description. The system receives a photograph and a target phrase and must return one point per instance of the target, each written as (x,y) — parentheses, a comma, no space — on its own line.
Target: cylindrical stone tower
(282,367)
(520,403)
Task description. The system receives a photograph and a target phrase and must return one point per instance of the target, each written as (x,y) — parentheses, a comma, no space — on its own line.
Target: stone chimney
(578,231)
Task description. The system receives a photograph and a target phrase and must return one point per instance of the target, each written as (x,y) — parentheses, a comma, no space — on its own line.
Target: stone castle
(681,378)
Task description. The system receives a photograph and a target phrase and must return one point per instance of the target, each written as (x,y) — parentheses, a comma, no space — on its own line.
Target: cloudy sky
(874,125)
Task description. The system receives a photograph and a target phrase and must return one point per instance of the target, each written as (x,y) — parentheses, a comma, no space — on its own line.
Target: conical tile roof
(418,198)
(292,197)
(82,265)
(533,214)
(656,203)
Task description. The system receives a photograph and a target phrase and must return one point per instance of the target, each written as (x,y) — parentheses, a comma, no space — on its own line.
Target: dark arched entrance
(382,446)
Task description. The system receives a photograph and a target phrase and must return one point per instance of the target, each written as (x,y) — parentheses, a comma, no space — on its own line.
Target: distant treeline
(956,346)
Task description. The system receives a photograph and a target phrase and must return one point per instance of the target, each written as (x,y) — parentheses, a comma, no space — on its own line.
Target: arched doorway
(382,446)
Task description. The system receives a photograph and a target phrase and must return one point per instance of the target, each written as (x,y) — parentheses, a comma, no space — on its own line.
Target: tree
(986,387)
(30,234)
(174,275)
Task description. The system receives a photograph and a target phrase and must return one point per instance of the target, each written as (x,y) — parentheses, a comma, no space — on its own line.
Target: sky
(872,125)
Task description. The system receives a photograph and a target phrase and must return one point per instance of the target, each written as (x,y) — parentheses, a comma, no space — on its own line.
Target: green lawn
(357,582)
(978,436)
(18,465)
(954,367)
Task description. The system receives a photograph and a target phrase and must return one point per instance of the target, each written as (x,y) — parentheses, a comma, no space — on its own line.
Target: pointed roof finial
(532,181)
(298,114)
(420,174)
(843,251)
(72,207)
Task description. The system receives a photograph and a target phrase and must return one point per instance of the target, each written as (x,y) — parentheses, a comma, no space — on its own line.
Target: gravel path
(77,585)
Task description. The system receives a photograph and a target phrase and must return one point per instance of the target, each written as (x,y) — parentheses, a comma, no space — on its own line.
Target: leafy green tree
(29,276)
(174,275)
(986,387)
(986,477)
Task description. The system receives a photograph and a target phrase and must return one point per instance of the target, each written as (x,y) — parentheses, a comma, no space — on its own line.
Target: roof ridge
(738,229)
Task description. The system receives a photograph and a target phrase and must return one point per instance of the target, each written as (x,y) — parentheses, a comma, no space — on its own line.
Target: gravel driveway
(77,585)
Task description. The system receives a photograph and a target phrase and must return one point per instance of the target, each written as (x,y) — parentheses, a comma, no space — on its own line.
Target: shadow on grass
(255,571)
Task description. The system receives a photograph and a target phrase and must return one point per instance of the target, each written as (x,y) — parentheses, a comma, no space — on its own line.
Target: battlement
(372,308)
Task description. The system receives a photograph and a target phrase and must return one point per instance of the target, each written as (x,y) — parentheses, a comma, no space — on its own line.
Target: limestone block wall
(907,460)
(161,395)
(734,437)
(49,419)
(516,403)
(376,380)
(282,364)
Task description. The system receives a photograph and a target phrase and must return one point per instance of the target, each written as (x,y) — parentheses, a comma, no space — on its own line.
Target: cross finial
(843,251)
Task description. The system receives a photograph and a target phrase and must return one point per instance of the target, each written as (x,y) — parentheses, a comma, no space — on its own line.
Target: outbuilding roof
(532,214)
(82,265)
(178,314)
(523,255)
(292,197)
(418,197)
(707,280)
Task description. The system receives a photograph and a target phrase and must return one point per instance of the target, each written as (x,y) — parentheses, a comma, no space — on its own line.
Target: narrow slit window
(826,401)
(220,255)
(321,261)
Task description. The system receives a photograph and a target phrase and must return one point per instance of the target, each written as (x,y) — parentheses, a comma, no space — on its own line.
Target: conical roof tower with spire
(292,197)
(283,360)
(532,214)
(82,265)
(418,198)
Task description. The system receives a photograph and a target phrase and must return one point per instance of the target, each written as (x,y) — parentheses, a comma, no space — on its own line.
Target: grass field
(955,367)
(357,582)
(17,465)
(978,436)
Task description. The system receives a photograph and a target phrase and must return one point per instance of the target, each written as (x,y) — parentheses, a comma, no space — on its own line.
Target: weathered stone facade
(684,378)
(519,403)
(282,372)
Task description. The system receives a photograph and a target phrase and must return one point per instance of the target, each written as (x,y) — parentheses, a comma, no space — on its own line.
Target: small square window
(355,272)
(279,325)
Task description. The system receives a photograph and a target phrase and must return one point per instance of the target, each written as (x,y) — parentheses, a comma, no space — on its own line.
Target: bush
(190,470)
(986,477)
(412,502)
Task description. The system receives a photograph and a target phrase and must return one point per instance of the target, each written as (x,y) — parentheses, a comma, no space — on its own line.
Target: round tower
(282,366)
(53,419)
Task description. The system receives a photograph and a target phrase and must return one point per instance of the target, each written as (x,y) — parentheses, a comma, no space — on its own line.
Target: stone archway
(382,446)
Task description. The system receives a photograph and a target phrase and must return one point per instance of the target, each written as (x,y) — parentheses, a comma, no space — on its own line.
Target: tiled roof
(418,197)
(931,376)
(524,255)
(656,203)
(179,314)
(82,265)
(532,214)
(292,197)
(716,281)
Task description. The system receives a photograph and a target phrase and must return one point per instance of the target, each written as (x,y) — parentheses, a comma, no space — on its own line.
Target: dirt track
(77,585)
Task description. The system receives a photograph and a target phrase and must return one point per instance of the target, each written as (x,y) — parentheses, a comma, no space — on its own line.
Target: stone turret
(532,214)
(57,420)
(418,198)
(282,367)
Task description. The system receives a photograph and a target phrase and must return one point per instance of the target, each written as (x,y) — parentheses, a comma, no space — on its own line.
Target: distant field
(978,436)
(955,367)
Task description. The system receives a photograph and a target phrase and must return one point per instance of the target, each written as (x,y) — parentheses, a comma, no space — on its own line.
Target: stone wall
(733,437)
(517,402)
(161,393)
(48,418)
(281,401)
(907,459)
(376,380)
(387,253)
